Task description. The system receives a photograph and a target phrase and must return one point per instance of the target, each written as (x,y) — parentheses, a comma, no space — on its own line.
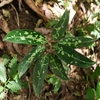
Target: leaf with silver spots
(61,26)
(76,42)
(39,73)
(70,56)
(29,59)
(57,67)
(25,36)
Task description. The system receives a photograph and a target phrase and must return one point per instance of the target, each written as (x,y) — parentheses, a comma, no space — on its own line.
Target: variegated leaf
(57,67)
(29,59)
(25,36)
(61,26)
(70,56)
(39,73)
(76,42)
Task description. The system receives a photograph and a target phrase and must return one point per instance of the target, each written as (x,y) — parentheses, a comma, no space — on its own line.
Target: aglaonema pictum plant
(50,51)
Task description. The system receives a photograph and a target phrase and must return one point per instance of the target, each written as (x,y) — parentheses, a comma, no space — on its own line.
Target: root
(32,5)
(4,2)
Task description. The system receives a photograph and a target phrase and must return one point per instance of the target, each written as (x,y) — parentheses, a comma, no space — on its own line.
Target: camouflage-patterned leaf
(61,26)
(72,57)
(29,59)
(25,36)
(56,67)
(39,73)
(76,42)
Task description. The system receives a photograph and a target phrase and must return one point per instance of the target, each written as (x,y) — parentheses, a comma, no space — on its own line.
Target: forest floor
(19,14)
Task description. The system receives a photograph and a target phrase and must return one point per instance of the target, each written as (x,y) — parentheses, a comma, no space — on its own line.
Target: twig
(17,16)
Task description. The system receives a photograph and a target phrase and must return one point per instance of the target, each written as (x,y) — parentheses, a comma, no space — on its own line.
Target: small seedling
(50,51)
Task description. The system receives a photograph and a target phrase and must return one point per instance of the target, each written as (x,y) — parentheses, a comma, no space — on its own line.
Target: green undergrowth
(9,80)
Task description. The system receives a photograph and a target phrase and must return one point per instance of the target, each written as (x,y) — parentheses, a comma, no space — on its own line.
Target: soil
(26,18)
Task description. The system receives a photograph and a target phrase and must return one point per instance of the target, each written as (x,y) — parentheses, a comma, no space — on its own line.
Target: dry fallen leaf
(47,11)
(43,30)
(39,22)
(4,25)
(6,13)
(4,2)
(48,14)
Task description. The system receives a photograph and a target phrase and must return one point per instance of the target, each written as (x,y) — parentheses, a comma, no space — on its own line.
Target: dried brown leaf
(43,30)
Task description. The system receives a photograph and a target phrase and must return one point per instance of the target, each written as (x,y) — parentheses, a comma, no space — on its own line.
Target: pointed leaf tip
(61,26)
(39,74)
(70,56)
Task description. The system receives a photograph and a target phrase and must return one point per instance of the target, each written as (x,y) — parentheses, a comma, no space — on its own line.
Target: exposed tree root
(4,2)
(32,5)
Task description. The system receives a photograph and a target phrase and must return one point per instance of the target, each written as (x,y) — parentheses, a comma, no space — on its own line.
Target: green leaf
(29,59)
(61,26)
(3,77)
(14,86)
(1,88)
(25,36)
(13,67)
(57,86)
(13,71)
(98,24)
(98,91)
(39,73)
(56,67)
(76,42)
(56,82)
(91,27)
(70,56)
(96,72)
(95,33)
(90,95)
(51,23)
(6,59)
(13,61)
